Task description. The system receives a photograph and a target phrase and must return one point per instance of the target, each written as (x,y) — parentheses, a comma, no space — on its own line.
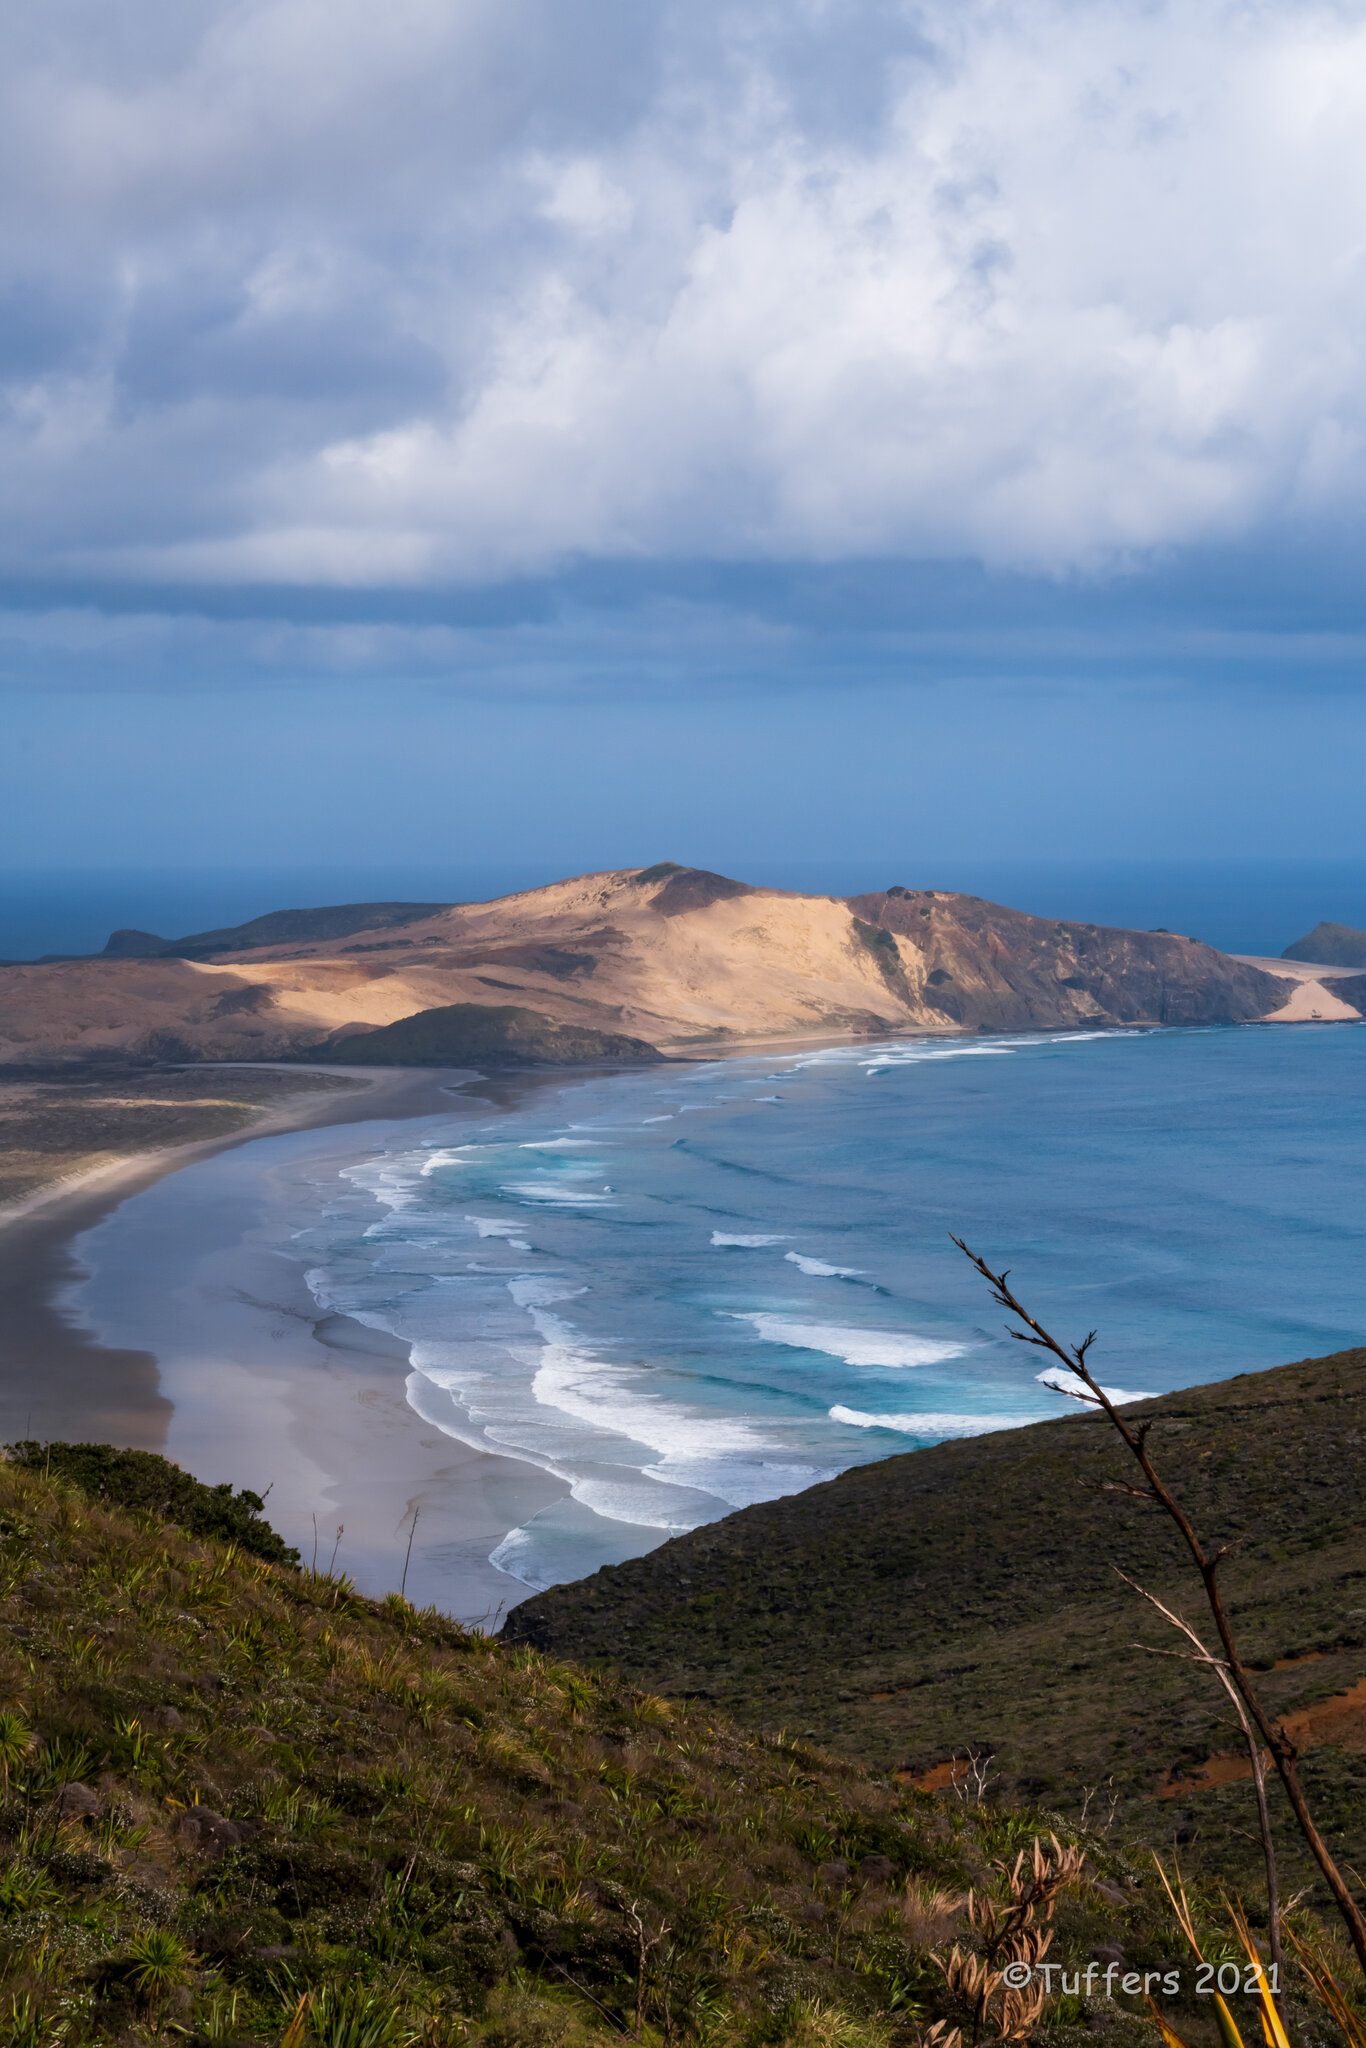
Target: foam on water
(819,1269)
(932,1425)
(1059,1377)
(439,1157)
(660,1387)
(541,1290)
(747,1240)
(861,1346)
(691,1453)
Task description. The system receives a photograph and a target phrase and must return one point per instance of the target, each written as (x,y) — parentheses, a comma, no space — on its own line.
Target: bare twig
(407,1555)
(1201,1655)
(1283,1752)
(645,1946)
(970,1784)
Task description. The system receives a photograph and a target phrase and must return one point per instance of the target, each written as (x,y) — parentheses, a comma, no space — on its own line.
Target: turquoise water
(691,1288)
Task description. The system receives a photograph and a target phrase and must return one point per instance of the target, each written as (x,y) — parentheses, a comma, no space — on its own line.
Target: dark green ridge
(486,1034)
(966,1595)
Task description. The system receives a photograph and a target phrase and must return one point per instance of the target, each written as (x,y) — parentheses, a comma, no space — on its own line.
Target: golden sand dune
(675,956)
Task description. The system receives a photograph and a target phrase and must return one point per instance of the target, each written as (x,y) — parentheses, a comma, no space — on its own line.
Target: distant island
(662,959)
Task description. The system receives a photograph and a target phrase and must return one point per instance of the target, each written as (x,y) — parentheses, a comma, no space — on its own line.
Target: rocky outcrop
(992,969)
(130,944)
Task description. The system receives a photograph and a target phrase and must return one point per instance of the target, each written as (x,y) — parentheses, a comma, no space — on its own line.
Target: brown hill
(669,955)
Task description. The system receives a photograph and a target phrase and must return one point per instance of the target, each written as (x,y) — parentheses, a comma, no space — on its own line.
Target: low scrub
(240,1804)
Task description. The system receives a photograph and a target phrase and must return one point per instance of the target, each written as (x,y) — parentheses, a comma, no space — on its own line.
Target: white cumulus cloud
(309,291)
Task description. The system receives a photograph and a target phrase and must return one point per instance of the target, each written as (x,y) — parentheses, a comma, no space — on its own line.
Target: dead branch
(1135,1438)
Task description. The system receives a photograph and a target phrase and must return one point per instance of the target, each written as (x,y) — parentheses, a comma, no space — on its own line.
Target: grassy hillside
(227,1786)
(965,1598)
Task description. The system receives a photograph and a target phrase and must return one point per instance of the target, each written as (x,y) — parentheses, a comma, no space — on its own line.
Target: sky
(589,432)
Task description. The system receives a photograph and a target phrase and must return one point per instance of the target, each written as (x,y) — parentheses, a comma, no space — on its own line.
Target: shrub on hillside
(141,1480)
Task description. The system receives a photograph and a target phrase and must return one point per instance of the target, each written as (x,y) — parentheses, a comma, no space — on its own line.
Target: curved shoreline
(259,1387)
(51,1369)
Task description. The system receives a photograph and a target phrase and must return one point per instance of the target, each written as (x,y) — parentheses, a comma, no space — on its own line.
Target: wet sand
(54,1380)
(244,1379)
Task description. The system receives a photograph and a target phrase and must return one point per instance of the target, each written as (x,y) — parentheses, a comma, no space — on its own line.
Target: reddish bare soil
(1338,1722)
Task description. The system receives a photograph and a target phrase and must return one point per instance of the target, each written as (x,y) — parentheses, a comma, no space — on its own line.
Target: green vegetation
(460,1034)
(240,1804)
(881,944)
(958,1609)
(141,1480)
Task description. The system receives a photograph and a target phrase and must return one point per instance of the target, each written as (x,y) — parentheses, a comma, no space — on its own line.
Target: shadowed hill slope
(276,928)
(966,1596)
(993,969)
(501,1035)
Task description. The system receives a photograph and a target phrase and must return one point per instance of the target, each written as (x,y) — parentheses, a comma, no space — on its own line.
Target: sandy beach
(1313,998)
(252,1385)
(51,1375)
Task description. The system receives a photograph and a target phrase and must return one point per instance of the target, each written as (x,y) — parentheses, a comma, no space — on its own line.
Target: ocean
(683,1290)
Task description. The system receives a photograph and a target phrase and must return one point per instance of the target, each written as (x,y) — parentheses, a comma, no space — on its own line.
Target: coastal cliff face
(992,969)
(667,955)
